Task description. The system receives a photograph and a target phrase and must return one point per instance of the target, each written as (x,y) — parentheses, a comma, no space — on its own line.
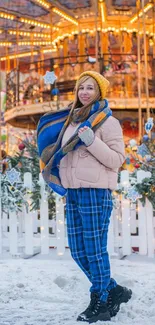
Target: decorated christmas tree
(143,157)
(13,169)
(26,160)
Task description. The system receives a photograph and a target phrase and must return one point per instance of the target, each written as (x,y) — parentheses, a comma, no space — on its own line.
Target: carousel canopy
(41,23)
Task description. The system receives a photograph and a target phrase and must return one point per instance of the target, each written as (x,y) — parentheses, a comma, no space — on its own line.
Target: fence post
(60,229)
(1,243)
(125,206)
(35,222)
(28,217)
(141,174)
(5,221)
(44,218)
(150,229)
(13,234)
(21,226)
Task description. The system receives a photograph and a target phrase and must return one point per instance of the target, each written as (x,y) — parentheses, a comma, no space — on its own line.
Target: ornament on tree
(153,188)
(148,158)
(143,150)
(21,146)
(137,166)
(145,138)
(132,143)
(19,165)
(149,125)
(128,161)
(12,176)
(133,195)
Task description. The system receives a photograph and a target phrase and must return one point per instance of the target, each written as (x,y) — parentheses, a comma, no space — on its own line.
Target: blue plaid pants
(88,212)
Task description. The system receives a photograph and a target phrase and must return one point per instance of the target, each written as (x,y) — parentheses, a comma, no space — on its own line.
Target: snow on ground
(50,291)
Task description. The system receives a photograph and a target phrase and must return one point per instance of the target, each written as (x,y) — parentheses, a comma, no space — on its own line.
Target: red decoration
(137,166)
(21,146)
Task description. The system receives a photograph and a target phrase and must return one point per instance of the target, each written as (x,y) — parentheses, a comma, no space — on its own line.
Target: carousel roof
(43,18)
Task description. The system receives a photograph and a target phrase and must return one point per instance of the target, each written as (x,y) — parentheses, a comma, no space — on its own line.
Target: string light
(50,50)
(37,43)
(7,16)
(140,14)
(64,15)
(23,33)
(34,22)
(20,55)
(43,3)
(5,43)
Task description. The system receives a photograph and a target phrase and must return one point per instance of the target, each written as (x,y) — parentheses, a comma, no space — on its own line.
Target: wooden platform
(27,116)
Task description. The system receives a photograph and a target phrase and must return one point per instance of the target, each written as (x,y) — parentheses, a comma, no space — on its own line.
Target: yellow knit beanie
(102,82)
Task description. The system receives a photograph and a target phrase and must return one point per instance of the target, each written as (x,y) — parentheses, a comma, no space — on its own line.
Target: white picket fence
(132,226)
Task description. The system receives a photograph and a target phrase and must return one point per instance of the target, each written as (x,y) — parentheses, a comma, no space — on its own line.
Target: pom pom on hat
(102,82)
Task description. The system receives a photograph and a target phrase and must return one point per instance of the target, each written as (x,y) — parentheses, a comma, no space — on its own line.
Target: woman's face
(86,91)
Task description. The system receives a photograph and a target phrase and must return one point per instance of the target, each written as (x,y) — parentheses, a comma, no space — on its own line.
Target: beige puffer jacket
(95,166)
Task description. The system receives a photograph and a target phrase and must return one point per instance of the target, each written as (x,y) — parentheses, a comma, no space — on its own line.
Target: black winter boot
(97,310)
(117,296)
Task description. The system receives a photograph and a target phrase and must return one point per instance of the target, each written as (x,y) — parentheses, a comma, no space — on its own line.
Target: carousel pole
(1,167)
(96,31)
(7,70)
(41,69)
(32,47)
(51,27)
(153,65)
(139,78)
(17,65)
(146,64)
(0,123)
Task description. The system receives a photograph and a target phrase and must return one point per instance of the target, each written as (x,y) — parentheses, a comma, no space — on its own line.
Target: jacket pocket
(88,168)
(83,153)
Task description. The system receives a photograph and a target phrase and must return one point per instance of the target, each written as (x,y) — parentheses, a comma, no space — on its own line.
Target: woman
(88,153)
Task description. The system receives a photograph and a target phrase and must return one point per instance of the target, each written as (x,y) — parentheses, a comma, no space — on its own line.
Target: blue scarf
(50,132)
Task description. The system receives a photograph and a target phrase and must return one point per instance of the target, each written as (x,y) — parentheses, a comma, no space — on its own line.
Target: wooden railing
(25,85)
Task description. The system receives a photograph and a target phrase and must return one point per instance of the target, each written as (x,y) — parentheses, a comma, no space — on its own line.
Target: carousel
(113,37)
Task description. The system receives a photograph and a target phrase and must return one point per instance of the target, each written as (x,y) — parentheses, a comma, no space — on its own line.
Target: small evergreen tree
(26,160)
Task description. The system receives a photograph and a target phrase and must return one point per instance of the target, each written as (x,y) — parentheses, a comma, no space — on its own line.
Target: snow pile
(52,292)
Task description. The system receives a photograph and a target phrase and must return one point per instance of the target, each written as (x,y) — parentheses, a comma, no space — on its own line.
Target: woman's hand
(86,135)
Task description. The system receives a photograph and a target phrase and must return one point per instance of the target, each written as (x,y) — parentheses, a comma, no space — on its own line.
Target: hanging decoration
(55,91)
(149,125)
(145,138)
(50,77)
